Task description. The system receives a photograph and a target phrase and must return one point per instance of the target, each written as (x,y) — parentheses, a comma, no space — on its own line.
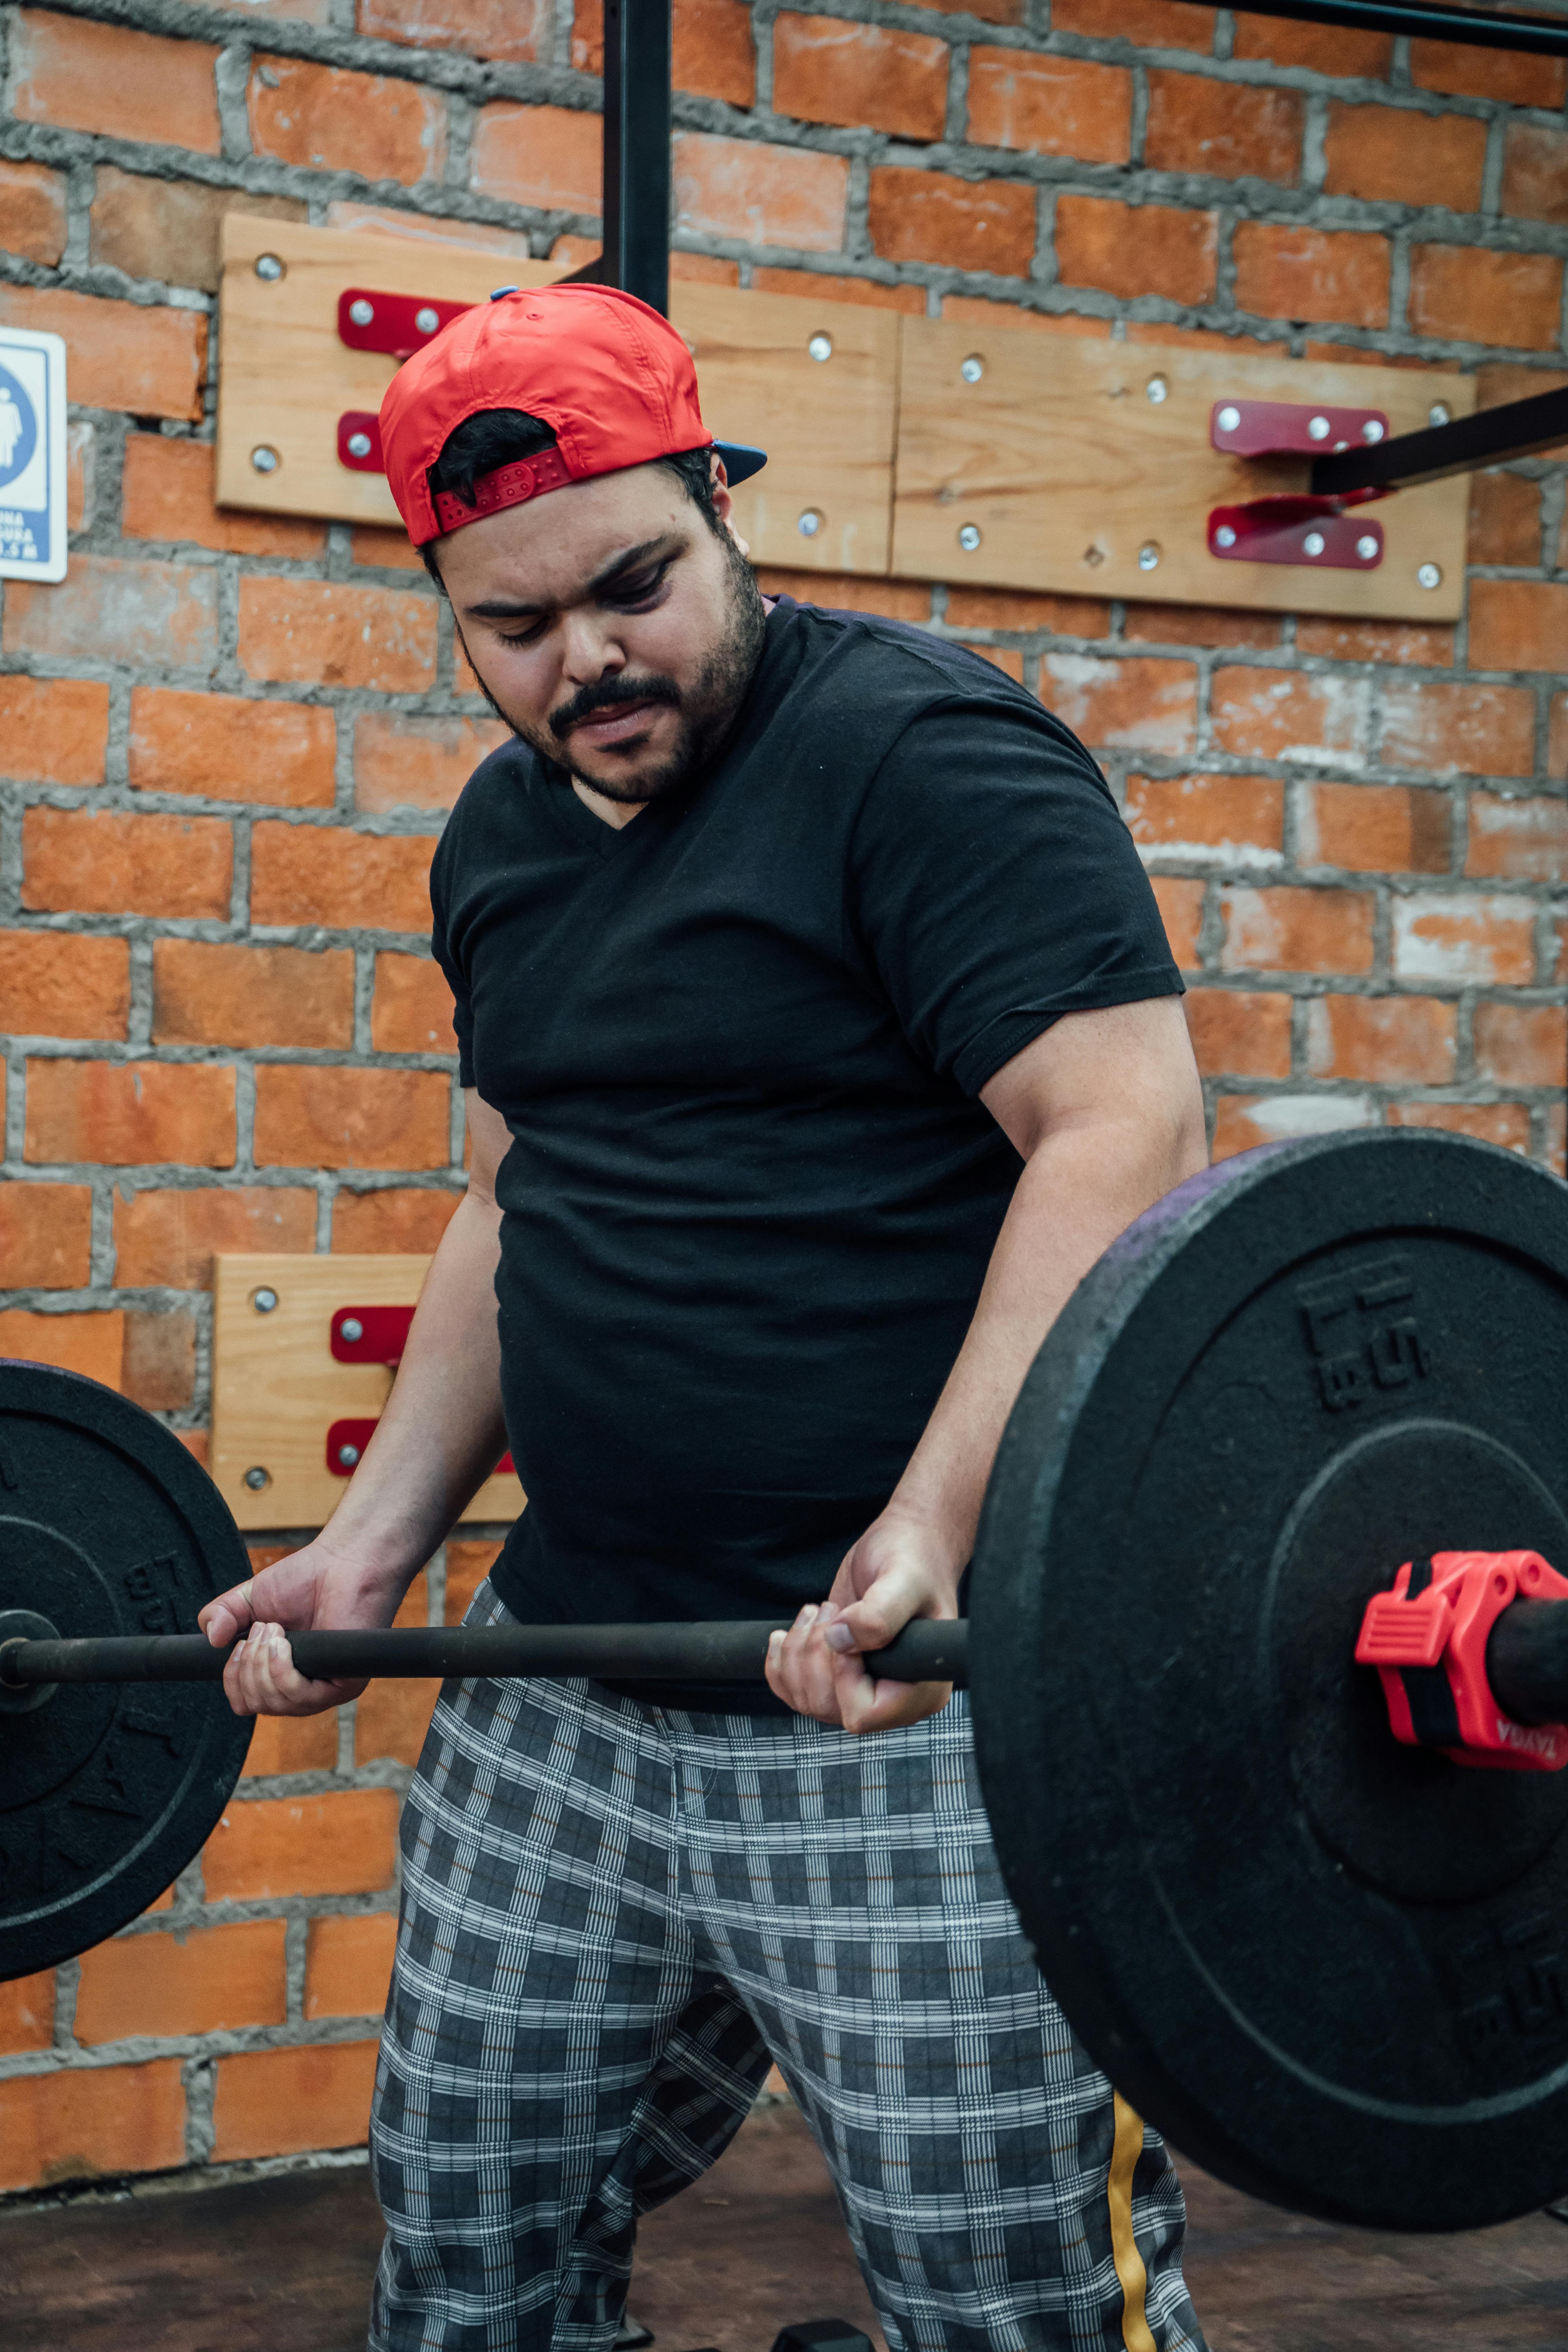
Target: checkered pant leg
(612,1915)
(554,2061)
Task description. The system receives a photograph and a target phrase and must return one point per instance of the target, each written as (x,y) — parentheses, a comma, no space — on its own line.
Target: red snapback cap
(612,378)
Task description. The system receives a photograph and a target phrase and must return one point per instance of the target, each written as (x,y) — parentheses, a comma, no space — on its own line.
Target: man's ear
(724,501)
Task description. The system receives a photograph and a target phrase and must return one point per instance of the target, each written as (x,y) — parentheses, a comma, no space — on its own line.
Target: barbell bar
(1527,1660)
(1526,1656)
(1330,1964)
(931,1651)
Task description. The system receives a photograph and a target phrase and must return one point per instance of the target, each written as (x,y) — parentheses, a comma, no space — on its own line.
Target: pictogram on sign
(32,455)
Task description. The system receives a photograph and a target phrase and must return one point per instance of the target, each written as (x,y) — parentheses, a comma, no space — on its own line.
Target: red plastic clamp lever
(1427,1638)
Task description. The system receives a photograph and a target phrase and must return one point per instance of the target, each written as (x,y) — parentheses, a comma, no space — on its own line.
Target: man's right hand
(308,1589)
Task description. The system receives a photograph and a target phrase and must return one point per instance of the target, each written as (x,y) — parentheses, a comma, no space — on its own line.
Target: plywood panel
(1057,455)
(826,424)
(1068,469)
(284,377)
(276,1388)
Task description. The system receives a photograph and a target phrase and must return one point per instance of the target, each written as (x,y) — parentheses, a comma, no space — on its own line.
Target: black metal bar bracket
(1517,428)
(1502,29)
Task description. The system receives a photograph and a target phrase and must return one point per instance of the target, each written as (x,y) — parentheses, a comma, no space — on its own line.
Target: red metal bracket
(359,441)
(1430,1651)
(371,1335)
(368,1335)
(398,324)
(1281,428)
(1299,528)
(1296,527)
(346,1441)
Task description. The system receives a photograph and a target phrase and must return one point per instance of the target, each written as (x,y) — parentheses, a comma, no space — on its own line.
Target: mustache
(606,695)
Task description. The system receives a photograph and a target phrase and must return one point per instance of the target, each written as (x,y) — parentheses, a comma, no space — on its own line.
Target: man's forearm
(442,1432)
(1082,1186)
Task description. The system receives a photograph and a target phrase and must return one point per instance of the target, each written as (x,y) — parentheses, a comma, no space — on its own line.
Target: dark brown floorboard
(758,2242)
(1265,2280)
(283,2264)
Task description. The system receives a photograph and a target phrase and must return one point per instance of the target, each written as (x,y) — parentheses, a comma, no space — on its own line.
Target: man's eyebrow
(496,608)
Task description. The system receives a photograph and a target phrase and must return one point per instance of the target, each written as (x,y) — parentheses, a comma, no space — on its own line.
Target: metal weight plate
(1333,1969)
(107,1526)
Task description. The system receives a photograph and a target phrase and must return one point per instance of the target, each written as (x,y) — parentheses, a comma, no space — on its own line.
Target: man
(818,1033)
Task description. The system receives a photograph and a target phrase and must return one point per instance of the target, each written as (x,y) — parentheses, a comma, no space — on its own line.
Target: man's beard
(708,709)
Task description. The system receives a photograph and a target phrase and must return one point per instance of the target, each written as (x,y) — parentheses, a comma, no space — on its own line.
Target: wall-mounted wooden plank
(828,424)
(1056,453)
(284,378)
(277,1387)
(1068,469)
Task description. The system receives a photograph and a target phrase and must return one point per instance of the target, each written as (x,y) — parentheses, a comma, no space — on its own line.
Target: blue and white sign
(32,455)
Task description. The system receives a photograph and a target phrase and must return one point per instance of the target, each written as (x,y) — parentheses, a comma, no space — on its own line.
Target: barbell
(1286,1477)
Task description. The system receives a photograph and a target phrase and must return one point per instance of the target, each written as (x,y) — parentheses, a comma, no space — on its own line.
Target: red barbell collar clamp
(1427,1638)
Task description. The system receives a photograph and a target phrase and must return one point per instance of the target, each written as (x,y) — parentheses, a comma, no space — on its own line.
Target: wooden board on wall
(1068,468)
(1056,454)
(277,1387)
(827,425)
(285,378)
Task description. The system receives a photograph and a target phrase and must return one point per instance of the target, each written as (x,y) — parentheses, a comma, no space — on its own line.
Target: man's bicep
(489,1140)
(1125,1064)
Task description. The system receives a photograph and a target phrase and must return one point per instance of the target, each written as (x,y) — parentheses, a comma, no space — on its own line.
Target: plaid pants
(615,1916)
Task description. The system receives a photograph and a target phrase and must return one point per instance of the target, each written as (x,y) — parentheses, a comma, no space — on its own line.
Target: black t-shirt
(751,1195)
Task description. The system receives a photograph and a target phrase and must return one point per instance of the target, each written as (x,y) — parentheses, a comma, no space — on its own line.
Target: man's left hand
(900,1569)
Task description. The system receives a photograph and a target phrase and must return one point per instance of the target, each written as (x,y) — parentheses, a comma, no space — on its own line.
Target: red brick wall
(226,743)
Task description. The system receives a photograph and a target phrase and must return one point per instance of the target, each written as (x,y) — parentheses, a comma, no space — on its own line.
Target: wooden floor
(1265,2280)
(283,2264)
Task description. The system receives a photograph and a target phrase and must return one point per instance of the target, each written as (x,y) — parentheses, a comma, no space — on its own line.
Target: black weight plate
(107,1526)
(1332,1968)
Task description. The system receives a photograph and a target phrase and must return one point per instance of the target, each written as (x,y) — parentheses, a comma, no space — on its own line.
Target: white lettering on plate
(1534,1743)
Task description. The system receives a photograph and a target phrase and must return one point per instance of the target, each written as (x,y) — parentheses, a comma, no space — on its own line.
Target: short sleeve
(441,948)
(996,887)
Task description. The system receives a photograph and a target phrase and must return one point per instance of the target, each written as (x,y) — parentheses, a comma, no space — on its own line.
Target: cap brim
(741,460)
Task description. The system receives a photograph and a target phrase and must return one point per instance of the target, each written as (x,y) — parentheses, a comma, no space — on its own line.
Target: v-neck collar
(590,832)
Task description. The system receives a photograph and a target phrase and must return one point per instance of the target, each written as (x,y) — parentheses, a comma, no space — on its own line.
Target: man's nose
(589,650)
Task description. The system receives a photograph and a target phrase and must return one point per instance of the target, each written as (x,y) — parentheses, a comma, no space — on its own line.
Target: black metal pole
(1517,428)
(1527,1660)
(637,148)
(1503,30)
(933,1650)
